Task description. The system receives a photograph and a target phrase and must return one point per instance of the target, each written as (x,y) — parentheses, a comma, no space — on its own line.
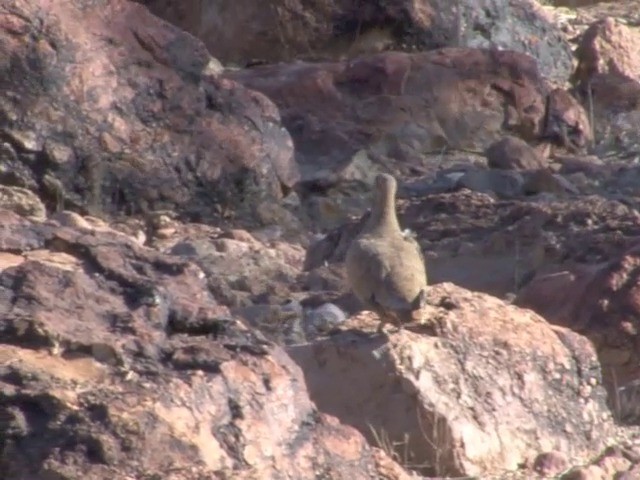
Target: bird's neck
(383,217)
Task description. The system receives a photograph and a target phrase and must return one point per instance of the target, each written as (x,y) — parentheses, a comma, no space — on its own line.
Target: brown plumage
(385,266)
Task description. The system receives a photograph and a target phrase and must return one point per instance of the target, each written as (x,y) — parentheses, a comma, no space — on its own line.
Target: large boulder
(480,388)
(242,31)
(607,80)
(106,108)
(117,362)
(399,107)
(602,302)
(608,46)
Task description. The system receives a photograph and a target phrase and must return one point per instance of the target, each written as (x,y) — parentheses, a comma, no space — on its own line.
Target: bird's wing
(365,268)
(389,273)
(412,244)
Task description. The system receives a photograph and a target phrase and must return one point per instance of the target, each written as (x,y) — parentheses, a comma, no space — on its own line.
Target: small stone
(104,353)
(592,472)
(323,318)
(505,184)
(612,464)
(164,233)
(513,153)
(543,180)
(631,474)
(550,464)
(22,201)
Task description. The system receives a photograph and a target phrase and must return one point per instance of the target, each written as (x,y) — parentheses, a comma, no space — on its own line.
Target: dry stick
(392,449)
(405,454)
(358,29)
(516,267)
(431,440)
(350,47)
(591,116)
(618,405)
(281,33)
(382,442)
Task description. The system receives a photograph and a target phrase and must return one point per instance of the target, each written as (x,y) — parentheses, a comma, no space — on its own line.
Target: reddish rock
(513,153)
(611,94)
(608,77)
(631,474)
(588,164)
(616,111)
(602,296)
(561,292)
(379,103)
(608,47)
(591,472)
(566,122)
(601,302)
(117,362)
(612,464)
(550,464)
(239,31)
(122,115)
(480,387)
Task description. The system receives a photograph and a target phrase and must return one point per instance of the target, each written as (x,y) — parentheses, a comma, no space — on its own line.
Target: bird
(385,265)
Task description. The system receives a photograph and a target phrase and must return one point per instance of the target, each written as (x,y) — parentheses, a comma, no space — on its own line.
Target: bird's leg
(398,323)
(381,312)
(420,301)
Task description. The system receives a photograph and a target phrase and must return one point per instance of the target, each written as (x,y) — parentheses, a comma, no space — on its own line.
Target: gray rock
(507,25)
(323,319)
(504,183)
(281,324)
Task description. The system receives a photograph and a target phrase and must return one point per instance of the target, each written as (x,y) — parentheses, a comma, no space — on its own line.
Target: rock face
(379,104)
(152,127)
(602,302)
(155,254)
(240,271)
(22,201)
(240,31)
(116,362)
(616,111)
(496,386)
(608,46)
(608,77)
(521,26)
(566,122)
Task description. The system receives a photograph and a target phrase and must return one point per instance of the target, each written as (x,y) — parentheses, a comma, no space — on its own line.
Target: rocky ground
(179,183)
